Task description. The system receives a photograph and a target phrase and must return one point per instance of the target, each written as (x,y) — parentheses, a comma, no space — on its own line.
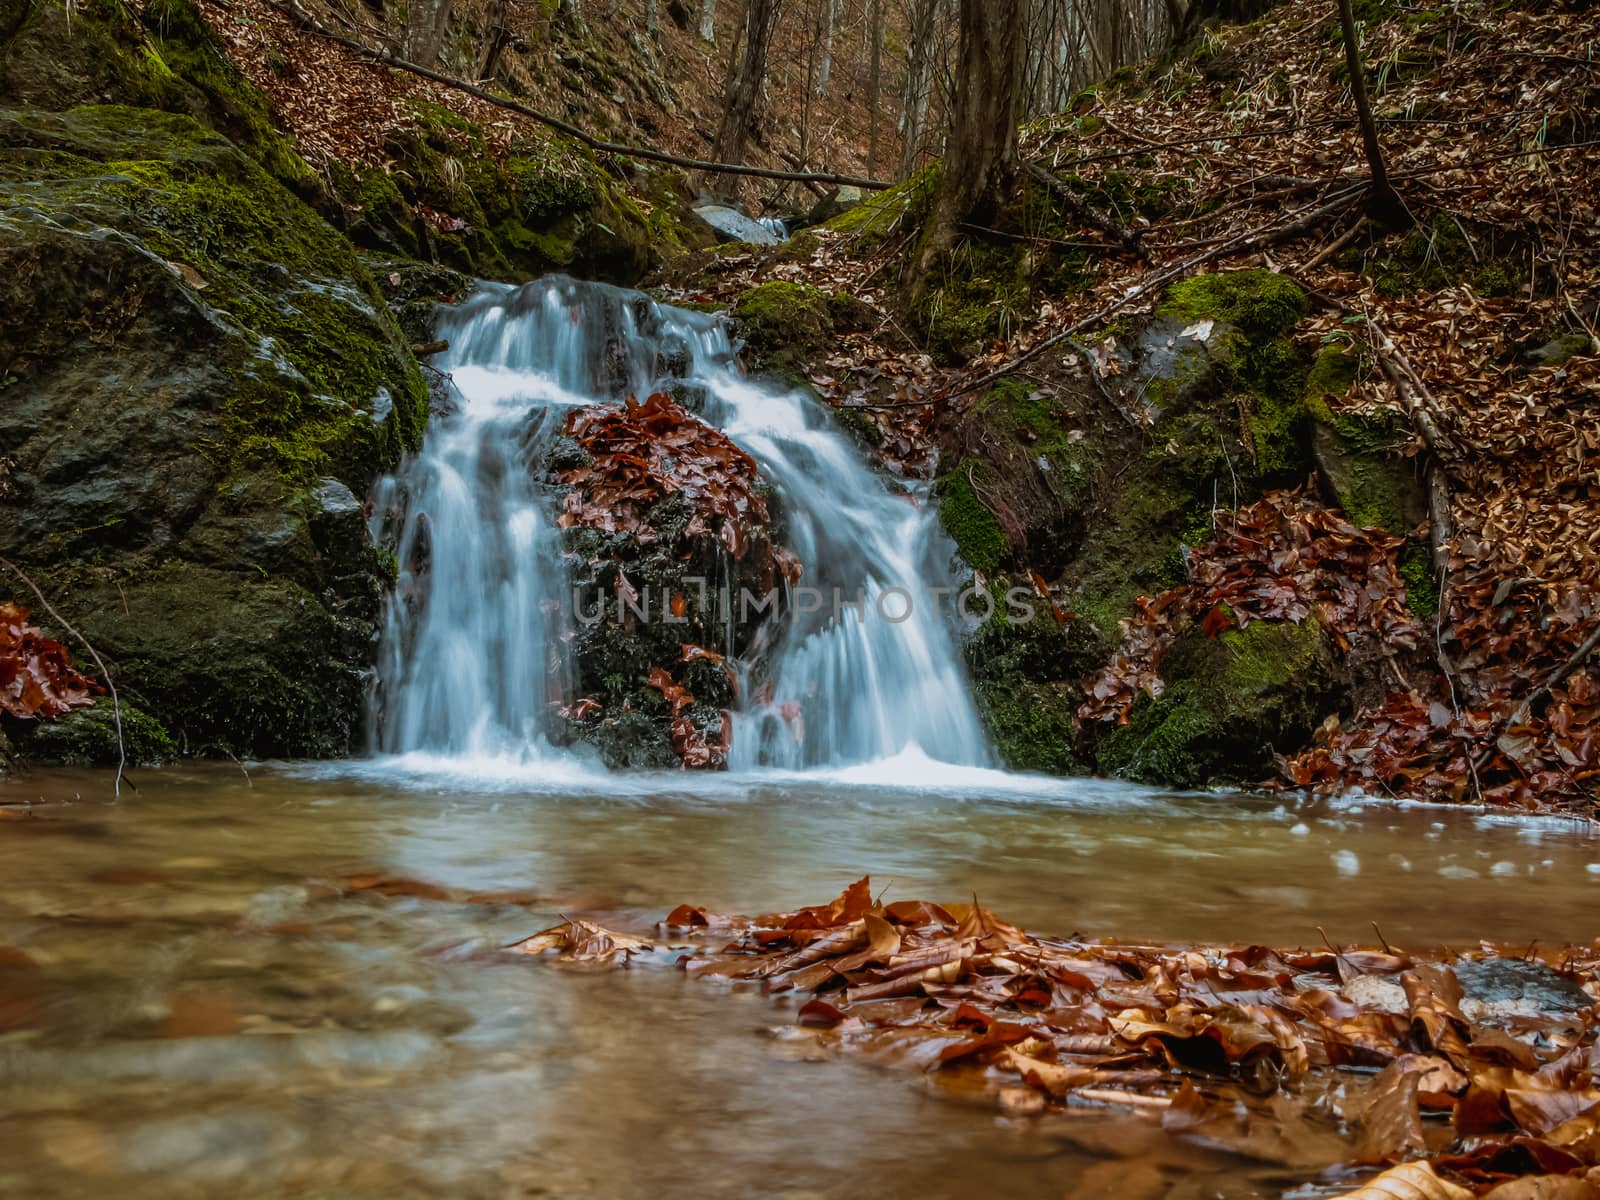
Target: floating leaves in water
(1260,1053)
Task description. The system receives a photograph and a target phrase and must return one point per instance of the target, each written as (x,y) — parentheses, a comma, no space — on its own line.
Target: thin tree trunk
(708,21)
(425,30)
(652,18)
(981,160)
(919,80)
(874,83)
(1385,203)
(830,16)
(744,90)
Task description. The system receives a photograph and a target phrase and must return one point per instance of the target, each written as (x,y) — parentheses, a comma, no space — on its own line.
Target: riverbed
(195,1000)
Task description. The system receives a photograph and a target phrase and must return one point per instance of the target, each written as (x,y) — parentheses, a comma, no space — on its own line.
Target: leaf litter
(1365,1073)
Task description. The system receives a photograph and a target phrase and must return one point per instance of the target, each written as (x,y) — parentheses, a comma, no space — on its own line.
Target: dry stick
(1525,709)
(1333,248)
(384,57)
(1261,236)
(1088,214)
(116,705)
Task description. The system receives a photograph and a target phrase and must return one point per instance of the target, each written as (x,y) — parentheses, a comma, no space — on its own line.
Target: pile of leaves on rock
(1441,1077)
(638,454)
(37,678)
(642,453)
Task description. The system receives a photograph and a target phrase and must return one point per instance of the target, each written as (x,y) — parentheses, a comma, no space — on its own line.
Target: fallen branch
(116,705)
(1250,240)
(386,58)
(1088,214)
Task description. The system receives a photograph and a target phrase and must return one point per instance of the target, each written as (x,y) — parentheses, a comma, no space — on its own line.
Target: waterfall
(473,651)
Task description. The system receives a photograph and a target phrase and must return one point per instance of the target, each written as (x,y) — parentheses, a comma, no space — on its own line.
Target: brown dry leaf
(1391,1126)
(1434,995)
(584,941)
(1408,1181)
(1546,1187)
(1539,1111)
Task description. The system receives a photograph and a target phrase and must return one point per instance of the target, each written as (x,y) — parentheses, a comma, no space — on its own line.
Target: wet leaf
(1409,1181)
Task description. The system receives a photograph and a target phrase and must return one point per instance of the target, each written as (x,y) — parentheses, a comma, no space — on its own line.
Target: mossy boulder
(447,193)
(62,54)
(88,737)
(198,381)
(786,327)
(1229,705)
(1220,385)
(1360,456)
(1027,672)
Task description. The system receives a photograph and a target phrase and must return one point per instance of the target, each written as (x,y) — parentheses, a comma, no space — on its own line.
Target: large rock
(1229,705)
(197,379)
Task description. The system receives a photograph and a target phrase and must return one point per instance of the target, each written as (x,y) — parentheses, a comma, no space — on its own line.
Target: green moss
(1360,455)
(160,55)
(261,260)
(786,327)
(1262,303)
(1433,257)
(1228,704)
(87,737)
(1421,579)
(978,537)
(899,207)
(1026,683)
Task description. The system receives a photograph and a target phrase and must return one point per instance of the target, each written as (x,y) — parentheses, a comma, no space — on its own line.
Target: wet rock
(1558,350)
(1229,705)
(1513,982)
(731,225)
(840,200)
(199,357)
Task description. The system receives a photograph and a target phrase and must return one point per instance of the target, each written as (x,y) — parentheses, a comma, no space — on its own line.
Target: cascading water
(472,655)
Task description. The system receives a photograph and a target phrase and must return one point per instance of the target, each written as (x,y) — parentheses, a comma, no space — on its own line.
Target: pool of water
(189,1007)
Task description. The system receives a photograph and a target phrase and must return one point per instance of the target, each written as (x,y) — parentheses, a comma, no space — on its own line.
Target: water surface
(207,1016)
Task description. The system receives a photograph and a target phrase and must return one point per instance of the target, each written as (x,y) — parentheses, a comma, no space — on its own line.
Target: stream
(202,1012)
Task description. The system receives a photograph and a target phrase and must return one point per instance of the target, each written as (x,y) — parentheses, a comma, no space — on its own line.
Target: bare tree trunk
(425,30)
(744,90)
(830,18)
(708,21)
(811,80)
(499,37)
(652,18)
(919,79)
(981,160)
(1385,203)
(874,83)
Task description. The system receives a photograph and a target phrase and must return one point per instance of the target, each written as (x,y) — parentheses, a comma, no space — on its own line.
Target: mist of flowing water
(472,653)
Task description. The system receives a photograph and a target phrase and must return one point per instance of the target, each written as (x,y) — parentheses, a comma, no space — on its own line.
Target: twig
(1333,248)
(387,59)
(1088,214)
(1557,677)
(116,705)
(1261,236)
